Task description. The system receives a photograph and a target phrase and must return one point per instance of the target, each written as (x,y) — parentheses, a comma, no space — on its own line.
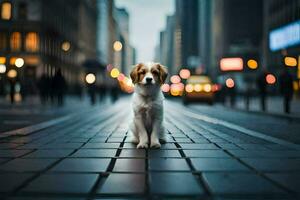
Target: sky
(146,19)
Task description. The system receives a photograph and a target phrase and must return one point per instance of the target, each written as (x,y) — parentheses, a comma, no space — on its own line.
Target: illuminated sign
(231,64)
(285,36)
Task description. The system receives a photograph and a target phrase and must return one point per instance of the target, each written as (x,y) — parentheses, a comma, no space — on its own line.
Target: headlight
(207,87)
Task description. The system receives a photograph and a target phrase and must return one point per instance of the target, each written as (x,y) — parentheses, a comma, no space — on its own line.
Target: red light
(184,73)
(230,83)
(231,64)
(270,79)
(216,87)
(175,79)
(121,77)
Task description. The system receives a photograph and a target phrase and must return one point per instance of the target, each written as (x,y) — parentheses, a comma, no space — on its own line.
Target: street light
(12,73)
(114,73)
(290,61)
(19,62)
(117,46)
(270,79)
(230,83)
(184,73)
(252,64)
(65,46)
(90,78)
(175,79)
(2,68)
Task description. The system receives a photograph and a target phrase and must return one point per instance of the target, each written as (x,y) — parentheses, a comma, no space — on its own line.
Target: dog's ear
(163,73)
(134,73)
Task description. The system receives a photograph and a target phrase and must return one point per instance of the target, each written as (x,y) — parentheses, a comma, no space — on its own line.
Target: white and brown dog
(148,104)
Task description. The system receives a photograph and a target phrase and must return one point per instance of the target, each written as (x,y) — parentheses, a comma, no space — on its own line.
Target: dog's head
(149,74)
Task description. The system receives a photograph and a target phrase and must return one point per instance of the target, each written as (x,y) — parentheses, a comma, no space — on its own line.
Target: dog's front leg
(143,136)
(155,134)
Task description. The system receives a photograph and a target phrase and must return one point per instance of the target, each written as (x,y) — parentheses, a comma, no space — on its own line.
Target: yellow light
(198,87)
(66,46)
(6,11)
(117,46)
(12,73)
(2,60)
(2,68)
(90,78)
(189,88)
(290,61)
(207,87)
(114,73)
(252,64)
(32,42)
(296,85)
(12,60)
(184,73)
(19,62)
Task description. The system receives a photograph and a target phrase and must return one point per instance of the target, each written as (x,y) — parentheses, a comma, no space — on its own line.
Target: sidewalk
(274,105)
(90,157)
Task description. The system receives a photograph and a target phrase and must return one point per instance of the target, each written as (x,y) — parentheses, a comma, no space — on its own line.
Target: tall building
(46,35)
(282,35)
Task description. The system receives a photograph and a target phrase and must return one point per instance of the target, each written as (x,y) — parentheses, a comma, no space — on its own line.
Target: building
(64,40)
(282,36)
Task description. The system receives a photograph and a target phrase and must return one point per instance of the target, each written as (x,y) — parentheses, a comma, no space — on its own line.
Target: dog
(147,104)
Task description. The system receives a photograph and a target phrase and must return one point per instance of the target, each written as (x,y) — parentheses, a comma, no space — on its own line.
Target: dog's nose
(148,80)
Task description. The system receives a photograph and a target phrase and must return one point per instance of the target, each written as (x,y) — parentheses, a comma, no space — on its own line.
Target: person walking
(262,89)
(59,87)
(286,89)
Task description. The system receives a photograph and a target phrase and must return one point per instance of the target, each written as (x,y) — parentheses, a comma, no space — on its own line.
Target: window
(6,11)
(15,41)
(32,42)
(2,41)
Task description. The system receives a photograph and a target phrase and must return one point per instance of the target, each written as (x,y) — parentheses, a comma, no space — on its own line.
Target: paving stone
(53,153)
(129,146)
(168,164)
(198,146)
(244,153)
(217,164)
(239,183)
(45,198)
(137,153)
(123,184)
(253,146)
(270,164)
(62,183)
(289,180)
(228,146)
(115,139)
(201,141)
(101,145)
(2,160)
(156,153)
(183,140)
(101,153)
(9,145)
(206,153)
(129,165)
(168,146)
(100,139)
(8,153)
(24,165)
(10,181)
(82,165)
(61,146)
(171,183)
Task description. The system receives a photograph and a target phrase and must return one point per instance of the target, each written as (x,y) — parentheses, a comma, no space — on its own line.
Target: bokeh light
(184,73)
(207,87)
(114,73)
(175,79)
(165,87)
(198,87)
(252,64)
(229,83)
(270,79)
(12,73)
(19,62)
(117,46)
(2,68)
(65,46)
(189,88)
(90,78)
(290,61)
(121,77)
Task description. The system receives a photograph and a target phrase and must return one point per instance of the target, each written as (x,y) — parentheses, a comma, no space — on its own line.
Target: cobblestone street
(88,155)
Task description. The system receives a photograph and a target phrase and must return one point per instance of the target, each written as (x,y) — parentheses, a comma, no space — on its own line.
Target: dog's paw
(155,145)
(142,145)
(135,140)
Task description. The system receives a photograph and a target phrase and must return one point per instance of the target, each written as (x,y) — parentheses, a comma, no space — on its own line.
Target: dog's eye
(142,72)
(155,72)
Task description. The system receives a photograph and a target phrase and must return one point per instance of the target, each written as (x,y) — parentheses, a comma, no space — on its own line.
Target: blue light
(285,36)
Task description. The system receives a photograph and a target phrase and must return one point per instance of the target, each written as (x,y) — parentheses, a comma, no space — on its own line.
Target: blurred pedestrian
(232,95)
(59,87)
(12,90)
(286,89)
(102,92)
(92,93)
(262,89)
(43,86)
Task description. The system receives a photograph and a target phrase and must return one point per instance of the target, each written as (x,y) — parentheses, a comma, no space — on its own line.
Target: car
(199,88)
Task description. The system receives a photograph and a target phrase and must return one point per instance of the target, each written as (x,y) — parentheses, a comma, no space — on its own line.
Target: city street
(212,152)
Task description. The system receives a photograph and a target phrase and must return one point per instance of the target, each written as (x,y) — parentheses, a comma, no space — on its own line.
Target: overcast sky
(147,18)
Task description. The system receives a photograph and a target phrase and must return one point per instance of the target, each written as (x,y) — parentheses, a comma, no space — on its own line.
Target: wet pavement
(88,155)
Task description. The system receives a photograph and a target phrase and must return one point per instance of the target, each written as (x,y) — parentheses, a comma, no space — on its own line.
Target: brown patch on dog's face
(159,73)
(138,73)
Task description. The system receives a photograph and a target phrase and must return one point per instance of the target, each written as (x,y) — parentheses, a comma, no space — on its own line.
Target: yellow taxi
(199,89)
